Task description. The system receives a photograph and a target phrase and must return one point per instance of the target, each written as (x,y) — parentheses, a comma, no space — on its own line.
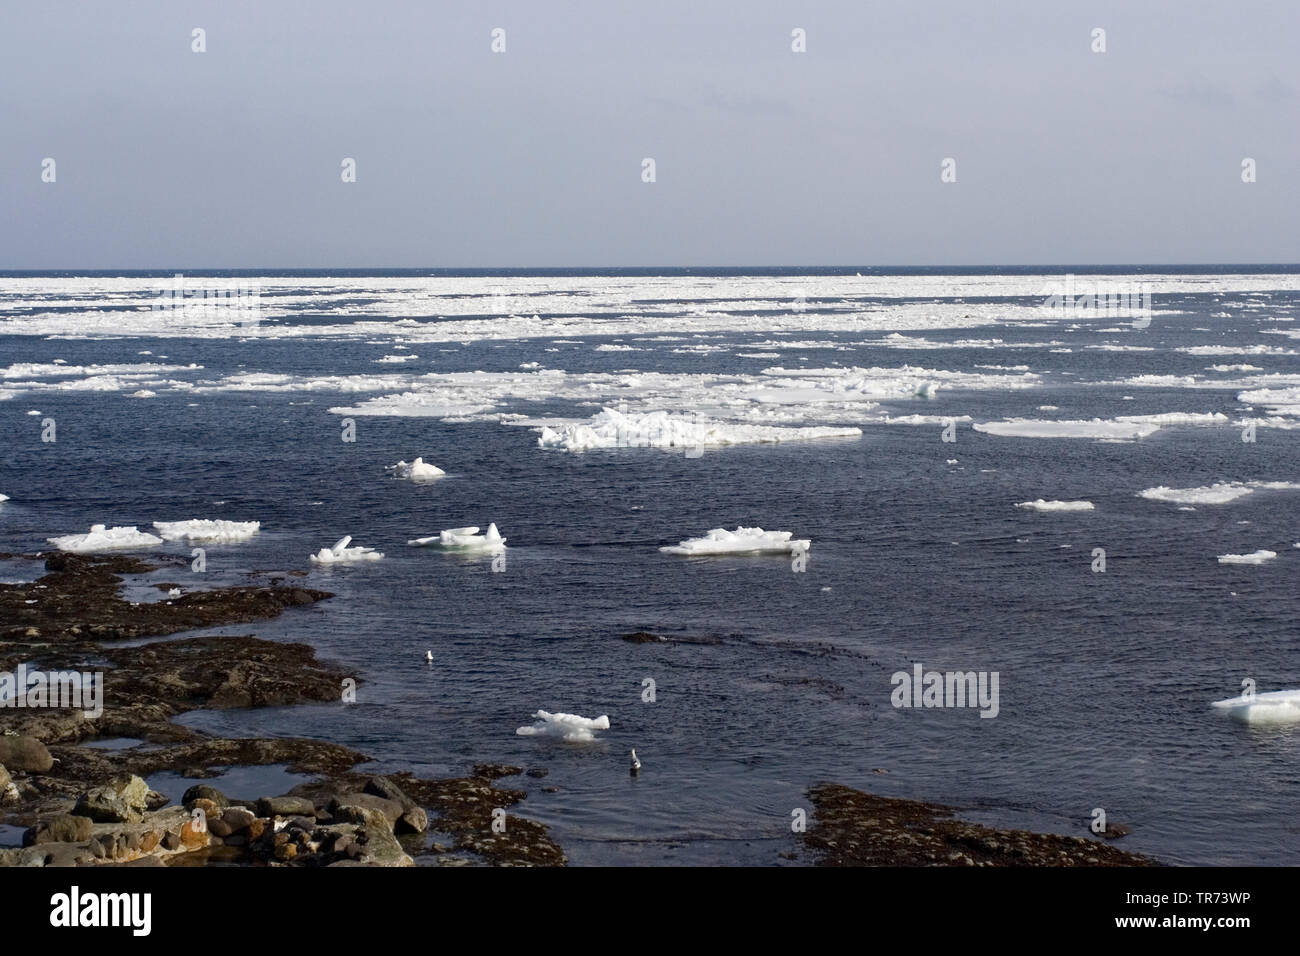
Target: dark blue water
(780,679)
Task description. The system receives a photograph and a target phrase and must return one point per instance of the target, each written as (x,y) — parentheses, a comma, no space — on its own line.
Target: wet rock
(852,828)
(285,807)
(5,779)
(60,828)
(219,827)
(24,753)
(644,637)
(201,791)
(537,772)
(105,805)
(238,818)
(493,771)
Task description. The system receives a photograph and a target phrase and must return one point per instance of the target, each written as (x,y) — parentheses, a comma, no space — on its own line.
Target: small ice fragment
(1255,557)
(570,727)
(1039,504)
(418,470)
(342,554)
(466,539)
(740,541)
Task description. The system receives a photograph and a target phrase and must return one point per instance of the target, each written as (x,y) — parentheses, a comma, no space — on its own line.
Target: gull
(636,764)
(428,656)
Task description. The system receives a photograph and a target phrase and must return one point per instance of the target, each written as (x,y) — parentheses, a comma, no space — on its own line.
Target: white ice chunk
(1216,494)
(1096,428)
(208,530)
(467,539)
(740,541)
(610,428)
(1255,557)
(1273,707)
(418,470)
(1038,504)
(342,554)
(101,538)
(570,727)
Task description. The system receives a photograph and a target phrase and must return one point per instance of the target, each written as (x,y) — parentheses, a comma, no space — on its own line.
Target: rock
(60,828)
(413,818)
(238,818)
(25,753)
(643,637)
(66,854)
(193,835)
(209,809)
(285,807)
(171,841)
(105,805)
(202,791)
(5,779)
(149,840)
(134,791)
(391,809)
(218,827)
(156,801)
(537,773)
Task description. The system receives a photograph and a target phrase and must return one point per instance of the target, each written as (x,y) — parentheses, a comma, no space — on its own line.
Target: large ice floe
(611,428)
(101,538)
(1272,707)
(1255,557)
(1095,428)
(1038,504)
(342,554)
(570,727)
(1216,494)
(740,541)
(463,539)
(208,530)
(418,470)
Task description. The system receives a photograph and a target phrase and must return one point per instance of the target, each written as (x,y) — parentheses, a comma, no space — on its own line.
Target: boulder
(391,809)
(60,828)
(202,791)
(238,818)
(285,807)
(105,805)
(25,753)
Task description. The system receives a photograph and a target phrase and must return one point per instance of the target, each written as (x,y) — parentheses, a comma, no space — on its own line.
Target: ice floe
(610,428)
(208,530)
(417,470)
(740,541)
(1216,494)
(1094,428)
(569,727)
(1255,557)
(1272,707)
(101,538)
(464,539)
(1038,504)
(342,554)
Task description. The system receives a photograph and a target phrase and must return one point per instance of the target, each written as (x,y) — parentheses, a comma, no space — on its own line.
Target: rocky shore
(853,828)
(80,805)
(83,805)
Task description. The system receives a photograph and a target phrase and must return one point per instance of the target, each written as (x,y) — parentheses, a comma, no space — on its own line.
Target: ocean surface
(777,677)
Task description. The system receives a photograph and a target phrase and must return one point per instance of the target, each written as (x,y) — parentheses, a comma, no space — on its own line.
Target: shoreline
(84,805)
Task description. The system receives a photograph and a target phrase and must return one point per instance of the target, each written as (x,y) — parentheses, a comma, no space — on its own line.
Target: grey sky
(169,158)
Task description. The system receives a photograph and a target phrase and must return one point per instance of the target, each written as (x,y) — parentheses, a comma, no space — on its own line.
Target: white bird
(428,656)
(636,764)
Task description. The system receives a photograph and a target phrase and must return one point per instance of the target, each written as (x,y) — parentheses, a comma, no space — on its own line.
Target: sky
(465,157)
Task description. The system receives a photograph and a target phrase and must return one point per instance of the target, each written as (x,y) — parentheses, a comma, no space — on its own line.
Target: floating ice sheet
(740,541)
(208,530)
(570,727)
(101,538)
